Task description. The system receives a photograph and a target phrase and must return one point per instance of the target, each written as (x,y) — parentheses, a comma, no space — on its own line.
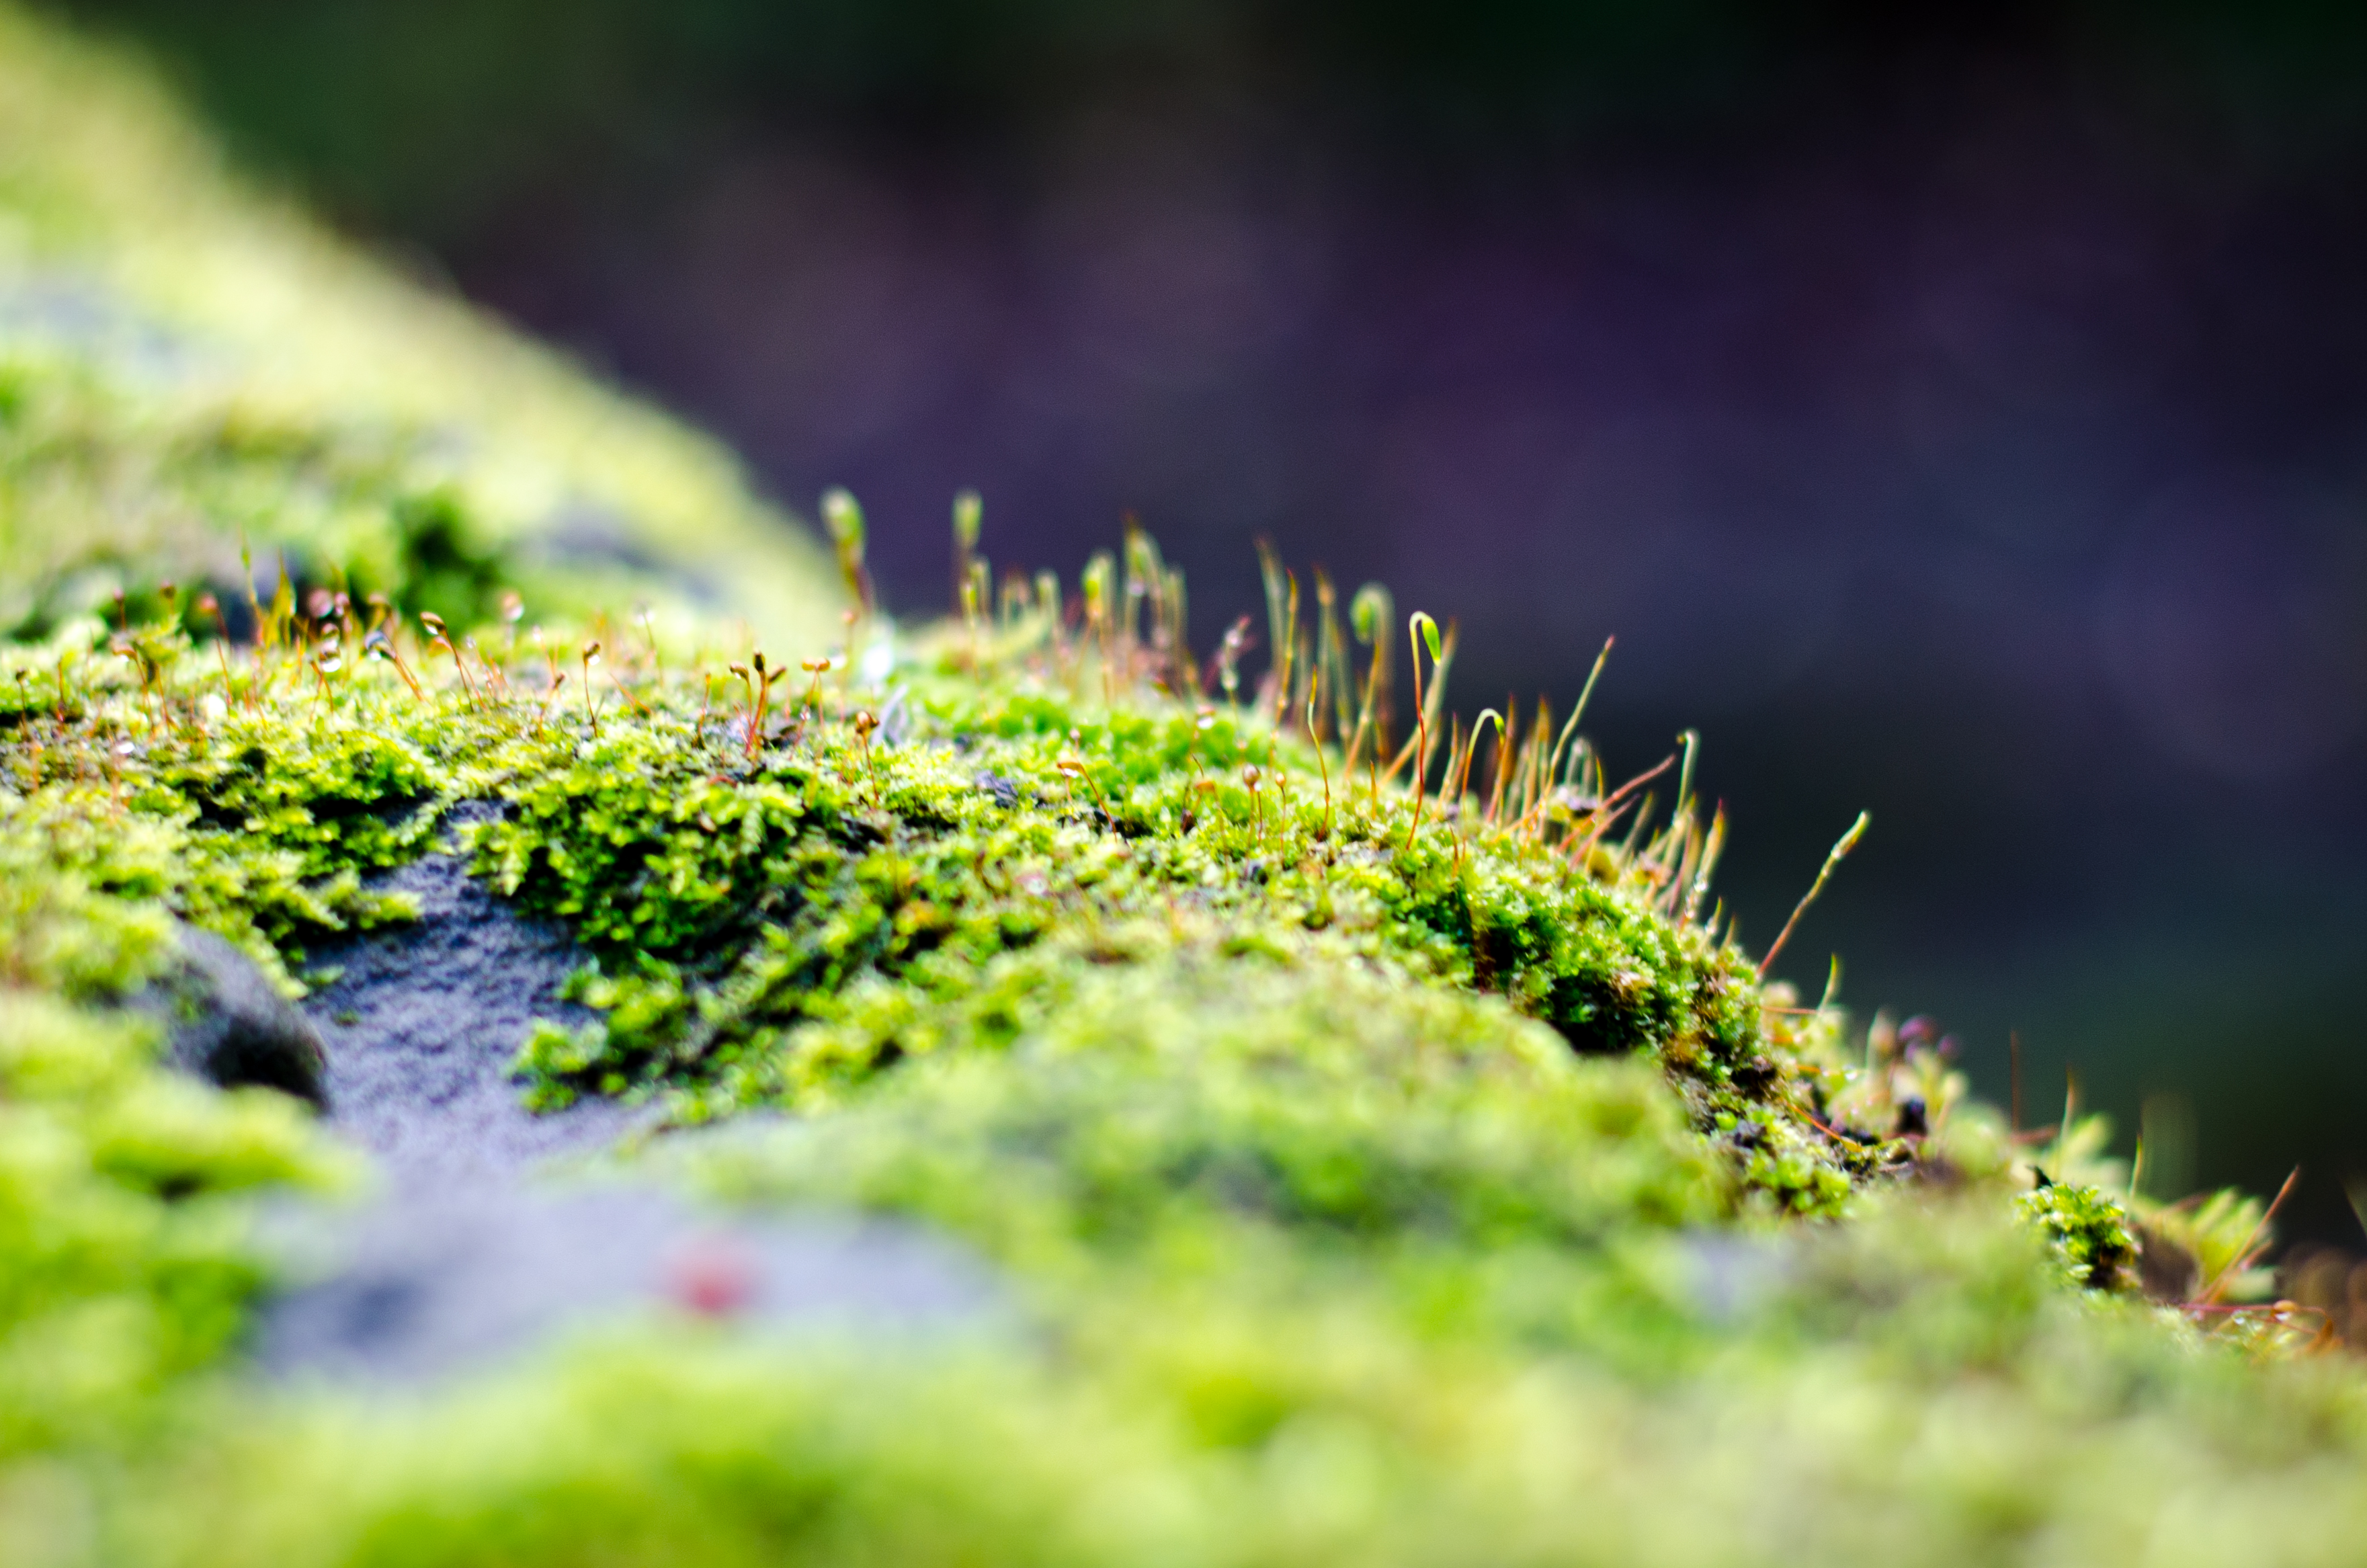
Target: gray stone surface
(442,1280)
(475,1246)
(423,1024)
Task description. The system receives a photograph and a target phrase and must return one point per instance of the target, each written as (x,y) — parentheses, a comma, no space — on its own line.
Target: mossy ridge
(782,919)
(793,898)
(1339,1262)
(1287,1161)
(785,918)
(258,376)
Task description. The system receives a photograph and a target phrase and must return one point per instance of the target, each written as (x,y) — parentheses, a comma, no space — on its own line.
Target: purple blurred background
(1964,418)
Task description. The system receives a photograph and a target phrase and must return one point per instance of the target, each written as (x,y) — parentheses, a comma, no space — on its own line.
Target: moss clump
(126,1264)
(781,907)
(784,918)
(226,814)
(2089,1232)
(1387,1154)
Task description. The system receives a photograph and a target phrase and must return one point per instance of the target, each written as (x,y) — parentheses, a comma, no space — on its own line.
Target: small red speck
(712,1278)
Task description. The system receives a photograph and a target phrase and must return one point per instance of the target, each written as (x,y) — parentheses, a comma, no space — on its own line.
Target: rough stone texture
(468,1252)
(228,1023)
(425,1022)
(439,1281)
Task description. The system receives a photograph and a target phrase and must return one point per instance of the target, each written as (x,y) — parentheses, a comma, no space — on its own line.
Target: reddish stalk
(2250,1253)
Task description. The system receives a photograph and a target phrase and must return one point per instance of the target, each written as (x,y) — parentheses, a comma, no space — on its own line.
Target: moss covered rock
(1387,1150)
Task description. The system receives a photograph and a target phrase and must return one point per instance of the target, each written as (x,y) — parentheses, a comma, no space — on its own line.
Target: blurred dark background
(1956,411)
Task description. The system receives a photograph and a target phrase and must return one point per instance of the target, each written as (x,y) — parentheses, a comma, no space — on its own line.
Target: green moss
(104,491)
(181,356)
(237,819)
(1920,1373)
(775,923)
(782,923)
(1370,1176)
(122,1262)
(2088,1232)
